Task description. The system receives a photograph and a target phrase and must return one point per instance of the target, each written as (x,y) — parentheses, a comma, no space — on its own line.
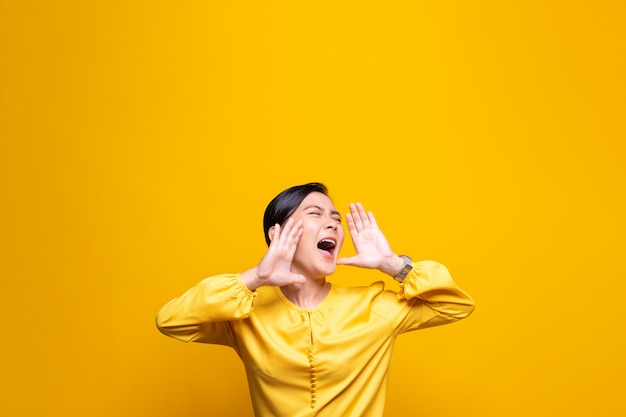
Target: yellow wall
(141,140)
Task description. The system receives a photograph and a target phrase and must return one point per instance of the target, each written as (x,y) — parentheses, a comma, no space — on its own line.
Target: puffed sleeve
(430,297)
(203,313)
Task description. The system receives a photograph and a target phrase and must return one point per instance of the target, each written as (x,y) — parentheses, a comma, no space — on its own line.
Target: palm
(372,248)
(275,267)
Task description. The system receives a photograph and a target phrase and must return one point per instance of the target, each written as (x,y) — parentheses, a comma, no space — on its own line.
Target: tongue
(326,253)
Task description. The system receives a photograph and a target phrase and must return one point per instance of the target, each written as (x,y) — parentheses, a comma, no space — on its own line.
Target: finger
(350,223)
(296,229)
(363,215)
(372,220)
(356,216)
(353,260)
(294,236)
(286,231)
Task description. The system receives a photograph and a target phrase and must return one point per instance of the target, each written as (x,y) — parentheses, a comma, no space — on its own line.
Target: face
(322,237)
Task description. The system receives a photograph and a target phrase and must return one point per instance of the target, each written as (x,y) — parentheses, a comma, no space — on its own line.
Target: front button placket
(312,364)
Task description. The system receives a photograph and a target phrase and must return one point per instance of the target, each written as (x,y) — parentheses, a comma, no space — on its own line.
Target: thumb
(353,260)
(297,279)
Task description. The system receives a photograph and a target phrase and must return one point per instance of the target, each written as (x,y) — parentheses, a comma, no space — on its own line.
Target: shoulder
(371,291)
(376,296)
(372,303)
(268,292)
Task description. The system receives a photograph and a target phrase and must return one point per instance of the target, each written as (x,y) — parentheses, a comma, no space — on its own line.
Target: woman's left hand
(372,249)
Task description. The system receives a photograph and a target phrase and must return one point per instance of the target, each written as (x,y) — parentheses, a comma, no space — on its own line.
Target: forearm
(431,282)
(215,299)
(251,279)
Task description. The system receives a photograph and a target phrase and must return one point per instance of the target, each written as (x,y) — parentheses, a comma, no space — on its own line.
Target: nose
(332,225)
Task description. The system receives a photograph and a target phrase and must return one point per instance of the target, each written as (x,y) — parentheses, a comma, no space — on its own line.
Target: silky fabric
(328,361)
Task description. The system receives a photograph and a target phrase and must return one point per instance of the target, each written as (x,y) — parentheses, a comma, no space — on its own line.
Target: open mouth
(327,246)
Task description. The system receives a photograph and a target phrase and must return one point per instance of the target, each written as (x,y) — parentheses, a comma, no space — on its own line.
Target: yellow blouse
(329,361)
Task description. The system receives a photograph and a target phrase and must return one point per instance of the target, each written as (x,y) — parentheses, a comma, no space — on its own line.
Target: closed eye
(317,211)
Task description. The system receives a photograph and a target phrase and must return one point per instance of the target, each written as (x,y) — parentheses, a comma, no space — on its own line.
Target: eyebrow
(332,212)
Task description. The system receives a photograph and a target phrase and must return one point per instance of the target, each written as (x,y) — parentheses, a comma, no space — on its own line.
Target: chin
(329,271)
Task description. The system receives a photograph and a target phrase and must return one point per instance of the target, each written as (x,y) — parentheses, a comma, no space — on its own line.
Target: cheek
(308,235)
(309,230)
(341,241)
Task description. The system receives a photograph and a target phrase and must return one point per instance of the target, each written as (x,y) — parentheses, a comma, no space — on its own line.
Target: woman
(311,348)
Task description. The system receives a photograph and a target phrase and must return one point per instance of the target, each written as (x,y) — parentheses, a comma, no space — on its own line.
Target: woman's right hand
(275,267)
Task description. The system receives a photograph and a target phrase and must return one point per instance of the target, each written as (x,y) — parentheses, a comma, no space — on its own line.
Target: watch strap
(406,268)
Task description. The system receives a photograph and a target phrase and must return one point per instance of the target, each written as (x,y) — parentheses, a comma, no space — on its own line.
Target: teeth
(326,244)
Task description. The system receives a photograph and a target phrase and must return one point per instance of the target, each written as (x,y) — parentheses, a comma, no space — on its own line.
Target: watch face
(408,265)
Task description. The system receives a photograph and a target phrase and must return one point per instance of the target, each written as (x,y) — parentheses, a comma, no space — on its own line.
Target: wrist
(250,279)
(407,266)
(393,265)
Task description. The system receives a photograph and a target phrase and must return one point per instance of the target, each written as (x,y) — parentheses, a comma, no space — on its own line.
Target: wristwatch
(406,268)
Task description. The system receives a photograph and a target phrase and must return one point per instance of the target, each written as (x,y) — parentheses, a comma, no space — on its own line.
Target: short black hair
(285,203)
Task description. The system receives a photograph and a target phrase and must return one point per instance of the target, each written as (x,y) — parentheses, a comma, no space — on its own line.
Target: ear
(270,233)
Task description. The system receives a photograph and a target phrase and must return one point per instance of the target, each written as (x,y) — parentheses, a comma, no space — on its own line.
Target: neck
(307,295)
